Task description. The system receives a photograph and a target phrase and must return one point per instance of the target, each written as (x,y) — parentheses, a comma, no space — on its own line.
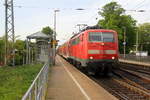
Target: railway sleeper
(133,88)
(132,82)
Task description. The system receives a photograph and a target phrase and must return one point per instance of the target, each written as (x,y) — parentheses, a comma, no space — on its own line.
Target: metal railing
(37,90)
(145,59)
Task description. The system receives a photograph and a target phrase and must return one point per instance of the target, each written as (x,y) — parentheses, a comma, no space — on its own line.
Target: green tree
(20,51)
(114,17)
(19,45)
(144,37)
(47,30)
(19,48)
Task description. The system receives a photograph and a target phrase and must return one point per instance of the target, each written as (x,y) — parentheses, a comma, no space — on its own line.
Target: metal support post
(32,55)
(27,51)
(6,35)
(9,31)
(54,37)
(124,42)
(137,40)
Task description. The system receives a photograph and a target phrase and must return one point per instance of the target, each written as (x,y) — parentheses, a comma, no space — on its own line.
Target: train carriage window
(77,40)
(73,42)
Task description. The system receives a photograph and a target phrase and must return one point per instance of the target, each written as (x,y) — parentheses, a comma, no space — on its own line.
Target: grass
(15,81)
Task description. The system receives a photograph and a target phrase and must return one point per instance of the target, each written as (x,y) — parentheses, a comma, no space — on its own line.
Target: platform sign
(124,43)
(54,43)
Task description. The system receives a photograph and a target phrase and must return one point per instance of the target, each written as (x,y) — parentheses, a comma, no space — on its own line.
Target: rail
(37,90)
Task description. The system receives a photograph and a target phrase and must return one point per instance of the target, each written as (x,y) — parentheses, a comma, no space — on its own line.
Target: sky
(32,15)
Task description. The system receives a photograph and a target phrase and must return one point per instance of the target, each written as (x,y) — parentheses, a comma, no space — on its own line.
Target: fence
(37,90)
(132,57)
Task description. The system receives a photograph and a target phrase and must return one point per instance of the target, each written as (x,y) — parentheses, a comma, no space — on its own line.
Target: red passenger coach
(63,50)
(95,50)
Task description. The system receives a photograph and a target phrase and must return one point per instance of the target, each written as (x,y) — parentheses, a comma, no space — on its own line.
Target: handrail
(37,90)
(144,59)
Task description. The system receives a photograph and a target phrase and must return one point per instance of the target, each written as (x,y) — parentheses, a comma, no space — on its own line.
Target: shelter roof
(38,35)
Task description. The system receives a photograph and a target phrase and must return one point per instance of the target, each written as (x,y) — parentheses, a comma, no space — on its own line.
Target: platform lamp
(54,36)
(137,34)
(124,43)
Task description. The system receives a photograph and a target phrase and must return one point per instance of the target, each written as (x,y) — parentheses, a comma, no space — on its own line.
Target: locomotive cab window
(101,36)
(108,37)
(95,36)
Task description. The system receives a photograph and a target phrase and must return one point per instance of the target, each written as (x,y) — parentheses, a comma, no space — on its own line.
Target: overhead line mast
(9,32)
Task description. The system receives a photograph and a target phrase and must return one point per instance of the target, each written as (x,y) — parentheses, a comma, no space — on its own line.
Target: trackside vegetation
(15,81)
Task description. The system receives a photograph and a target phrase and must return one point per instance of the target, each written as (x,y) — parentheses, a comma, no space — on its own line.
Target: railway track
(134,79)
(137,68)
(121,89)
(126,85)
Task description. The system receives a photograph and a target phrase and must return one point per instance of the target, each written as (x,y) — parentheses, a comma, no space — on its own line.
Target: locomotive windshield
(101,36)
(95,36)
(108,37)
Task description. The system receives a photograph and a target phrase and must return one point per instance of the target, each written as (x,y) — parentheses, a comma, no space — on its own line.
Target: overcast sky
(32,15)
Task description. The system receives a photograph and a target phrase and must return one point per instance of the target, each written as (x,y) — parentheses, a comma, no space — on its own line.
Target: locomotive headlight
(91,57)
(102,44)
(113,57)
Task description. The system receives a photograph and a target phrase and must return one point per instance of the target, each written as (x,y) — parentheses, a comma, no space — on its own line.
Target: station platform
(68,83)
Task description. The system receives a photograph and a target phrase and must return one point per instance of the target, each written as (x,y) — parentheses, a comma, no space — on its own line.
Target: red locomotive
(95,50)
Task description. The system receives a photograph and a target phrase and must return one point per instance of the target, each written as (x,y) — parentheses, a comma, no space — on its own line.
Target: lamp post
(137,41)
(124,43)
(54,37)
(55,11)
(137,34)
